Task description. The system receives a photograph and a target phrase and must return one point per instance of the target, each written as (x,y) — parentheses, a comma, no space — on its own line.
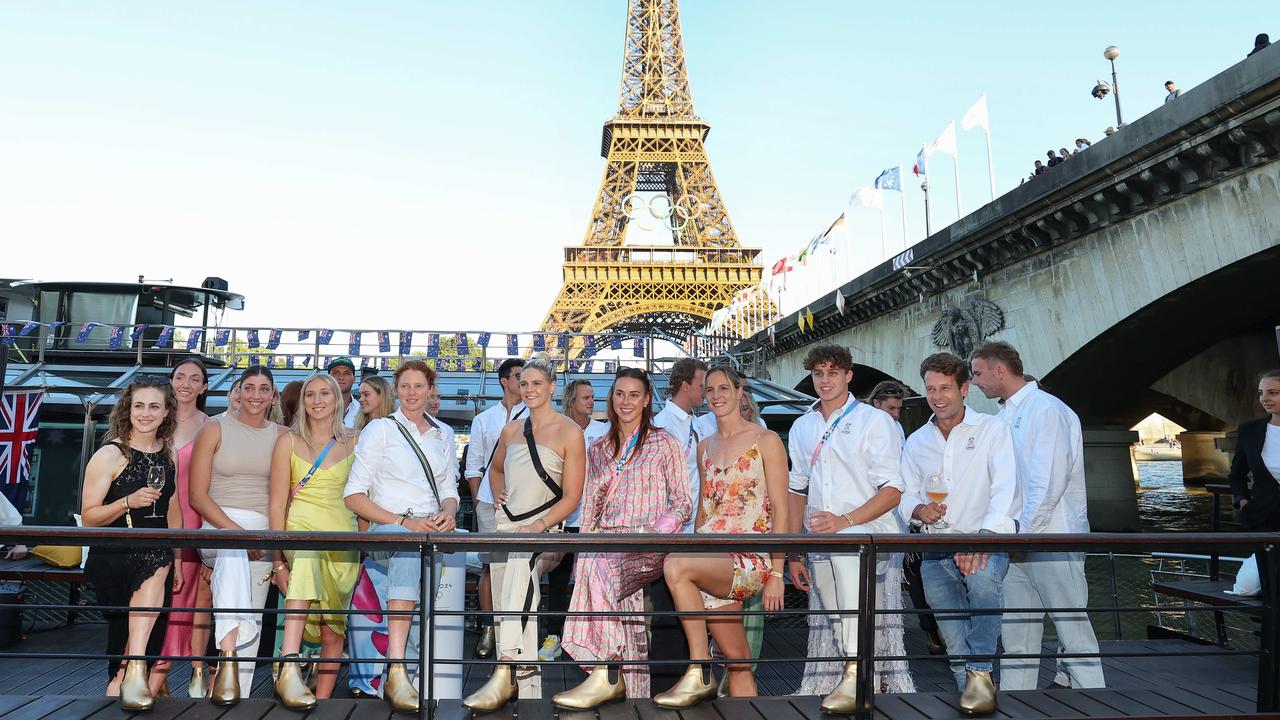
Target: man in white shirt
(344,371)
(844,479)
(579,403)
(686,390)
(485,429)
(1050,448)
(962,477)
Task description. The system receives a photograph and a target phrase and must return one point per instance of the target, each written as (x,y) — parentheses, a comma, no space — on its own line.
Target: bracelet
(402,517)
(125,501)
(847,518)
(776,573)
(277,568)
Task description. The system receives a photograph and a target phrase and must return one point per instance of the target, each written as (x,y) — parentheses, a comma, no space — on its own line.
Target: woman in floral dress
(744,490)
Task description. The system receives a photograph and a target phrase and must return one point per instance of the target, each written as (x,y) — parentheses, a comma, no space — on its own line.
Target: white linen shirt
(591,433)
(486,428)
(860,457)
(1050,448)
(680,424)
(353,409)
(388,471)
(980,467)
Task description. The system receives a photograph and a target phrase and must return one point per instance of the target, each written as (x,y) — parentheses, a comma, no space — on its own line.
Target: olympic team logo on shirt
(972,443)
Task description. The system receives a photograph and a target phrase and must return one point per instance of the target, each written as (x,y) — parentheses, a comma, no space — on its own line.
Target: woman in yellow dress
(309,469)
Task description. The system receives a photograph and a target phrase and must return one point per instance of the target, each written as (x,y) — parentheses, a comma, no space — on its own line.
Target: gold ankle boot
(722,690)
(692,688)
(593,692)
(134,693)
(399,691)
(484,646)
(843,700)
(293,693)
(198,685)
(495,693)
(979,696)
(226,686)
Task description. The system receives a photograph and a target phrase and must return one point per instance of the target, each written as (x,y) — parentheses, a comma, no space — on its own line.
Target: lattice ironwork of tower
(656,170)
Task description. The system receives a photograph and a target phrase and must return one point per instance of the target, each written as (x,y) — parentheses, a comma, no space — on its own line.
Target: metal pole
(1269,636)
(991,165)
(1115,598)
(1115,91)
(426,621)
(928,224)
(903,197)
(955,166)
(866,649)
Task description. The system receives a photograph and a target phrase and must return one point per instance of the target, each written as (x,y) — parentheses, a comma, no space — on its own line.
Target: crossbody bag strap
(426,466)
(494,450)
(556,491)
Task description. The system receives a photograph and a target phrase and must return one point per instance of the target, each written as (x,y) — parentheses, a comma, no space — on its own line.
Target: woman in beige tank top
(230,488)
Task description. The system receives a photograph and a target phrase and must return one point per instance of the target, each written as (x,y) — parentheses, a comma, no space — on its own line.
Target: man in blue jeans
(961,476)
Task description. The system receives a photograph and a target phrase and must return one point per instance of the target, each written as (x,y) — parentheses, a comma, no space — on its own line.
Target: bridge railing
(870,549)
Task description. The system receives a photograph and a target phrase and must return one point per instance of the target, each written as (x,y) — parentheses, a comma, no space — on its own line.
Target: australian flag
(324,336)
(483,340)
(221,338)
(433,345)
(513,344)
(273,339)
(464,347)
(406,341)
(19,422)
(384,341)
(253,340)
(539,342)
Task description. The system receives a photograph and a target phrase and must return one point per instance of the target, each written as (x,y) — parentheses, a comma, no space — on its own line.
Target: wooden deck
(1164,686)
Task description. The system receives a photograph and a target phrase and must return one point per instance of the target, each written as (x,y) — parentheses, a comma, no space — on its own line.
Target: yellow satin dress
(325,577)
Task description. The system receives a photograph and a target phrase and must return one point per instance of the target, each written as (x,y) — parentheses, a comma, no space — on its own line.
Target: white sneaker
(550,649)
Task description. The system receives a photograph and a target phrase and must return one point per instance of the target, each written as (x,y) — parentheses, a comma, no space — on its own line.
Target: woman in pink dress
(744,490)
(190,380)
(637,481)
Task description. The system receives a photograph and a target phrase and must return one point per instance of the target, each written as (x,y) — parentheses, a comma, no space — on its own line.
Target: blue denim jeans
(950,594)
(404,567)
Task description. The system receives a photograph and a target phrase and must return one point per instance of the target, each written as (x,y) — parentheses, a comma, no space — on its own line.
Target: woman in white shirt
(405,479)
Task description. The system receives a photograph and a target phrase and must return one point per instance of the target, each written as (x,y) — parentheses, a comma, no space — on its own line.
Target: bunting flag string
(28,328)
(513,344)
(589,347)
(303,335)
(288,362)
(253,360)
(117,338)
(273,339)
(353,345)
(384,341)
(166,336)
(610,367)
(483,340)
(575,366)
(406,341)
(253,340)
(137,331)
(638,350)
(615,342)
(562,341)
(306,361)
(539,342)
(85,329)
(7,335)
(433,345)
(193,340)
(324,336)
(463,344)
(221,338)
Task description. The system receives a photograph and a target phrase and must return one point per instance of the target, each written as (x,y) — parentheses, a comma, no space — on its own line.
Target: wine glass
(936,489)
(155,481)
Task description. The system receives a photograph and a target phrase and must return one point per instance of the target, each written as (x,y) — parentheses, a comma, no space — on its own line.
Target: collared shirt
(680,424)
(485,430)
(591,433)
(980,467)
(861,456)
(388,470)
(1050,448)
(353,410)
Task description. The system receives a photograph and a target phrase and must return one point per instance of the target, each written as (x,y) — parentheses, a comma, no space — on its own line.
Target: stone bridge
(1141,276)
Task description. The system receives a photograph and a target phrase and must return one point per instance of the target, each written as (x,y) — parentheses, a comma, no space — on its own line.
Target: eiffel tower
(657,172)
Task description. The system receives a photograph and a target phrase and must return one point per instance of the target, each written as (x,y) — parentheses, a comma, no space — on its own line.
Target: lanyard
(693,435)
(626,454)
(827,435)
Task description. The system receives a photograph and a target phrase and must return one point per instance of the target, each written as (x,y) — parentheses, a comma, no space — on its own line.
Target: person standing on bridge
(1050,449)
(485,429)
(1258,456)
(844,479)
(961,475)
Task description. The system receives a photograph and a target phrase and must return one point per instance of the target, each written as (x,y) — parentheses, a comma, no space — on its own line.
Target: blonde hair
(300,425)
(386,407)
(543,365)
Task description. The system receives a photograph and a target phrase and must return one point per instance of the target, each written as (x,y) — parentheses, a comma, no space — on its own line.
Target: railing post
(866,649)
(1269,637)
(426,613)
(1115,597)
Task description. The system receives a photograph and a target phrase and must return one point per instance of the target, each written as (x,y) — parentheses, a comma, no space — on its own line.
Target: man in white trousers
(1050,450)
(844,479)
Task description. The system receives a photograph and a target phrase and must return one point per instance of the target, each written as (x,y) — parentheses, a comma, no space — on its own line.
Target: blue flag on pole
(890,179)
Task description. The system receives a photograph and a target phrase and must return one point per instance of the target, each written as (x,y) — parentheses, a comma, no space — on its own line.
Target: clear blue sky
(420,164)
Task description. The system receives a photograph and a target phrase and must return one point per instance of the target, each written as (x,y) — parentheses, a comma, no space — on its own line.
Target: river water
(1166,505)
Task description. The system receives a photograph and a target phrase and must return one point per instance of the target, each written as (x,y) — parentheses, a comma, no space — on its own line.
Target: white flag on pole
(977,116)
(946,142)
(868,197)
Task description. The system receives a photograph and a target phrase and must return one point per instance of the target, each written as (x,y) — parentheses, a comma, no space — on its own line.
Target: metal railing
(870,548)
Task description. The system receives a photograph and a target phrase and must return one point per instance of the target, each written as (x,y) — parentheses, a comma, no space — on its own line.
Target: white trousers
(516,579)
(835,577)
(1048,580)
(237,583)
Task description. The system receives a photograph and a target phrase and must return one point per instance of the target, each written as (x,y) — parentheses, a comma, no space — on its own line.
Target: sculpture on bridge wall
(960,330)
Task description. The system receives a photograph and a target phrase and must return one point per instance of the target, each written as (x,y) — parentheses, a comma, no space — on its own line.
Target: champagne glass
(936,489)
(155,481)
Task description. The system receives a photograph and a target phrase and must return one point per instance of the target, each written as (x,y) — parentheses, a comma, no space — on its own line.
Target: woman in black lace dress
(138,446)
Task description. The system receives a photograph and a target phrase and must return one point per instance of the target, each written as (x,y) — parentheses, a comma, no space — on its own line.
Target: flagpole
(884,235)
(991,167)
(928,220)
(902,196)
(955,165)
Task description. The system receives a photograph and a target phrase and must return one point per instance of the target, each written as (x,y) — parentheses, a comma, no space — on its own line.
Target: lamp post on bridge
(1101,89)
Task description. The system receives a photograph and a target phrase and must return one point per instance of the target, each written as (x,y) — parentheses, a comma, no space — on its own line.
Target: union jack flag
(19,421)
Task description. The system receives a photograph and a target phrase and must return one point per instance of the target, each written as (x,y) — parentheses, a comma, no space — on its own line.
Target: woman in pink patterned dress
(637,481)
(744,490)
(184,636)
